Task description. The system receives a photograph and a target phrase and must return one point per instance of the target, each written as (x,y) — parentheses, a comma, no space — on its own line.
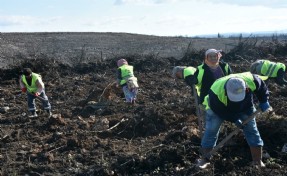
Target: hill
(89,47)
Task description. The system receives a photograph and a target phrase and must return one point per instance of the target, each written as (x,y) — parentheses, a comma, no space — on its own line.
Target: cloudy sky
(152,17)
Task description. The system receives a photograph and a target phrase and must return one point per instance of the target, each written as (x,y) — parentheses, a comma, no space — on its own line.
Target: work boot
(33,114)
(49,112)
(204,162)
(256,153)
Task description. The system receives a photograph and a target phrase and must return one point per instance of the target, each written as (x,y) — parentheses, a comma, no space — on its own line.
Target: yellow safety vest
(270,69)
(218,87)
(33,87)
(200,76)
(188,71)
(126,72)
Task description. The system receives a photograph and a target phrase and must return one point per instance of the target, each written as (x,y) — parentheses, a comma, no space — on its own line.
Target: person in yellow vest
(127,80)
(206,73)
(184,72)
(32,84)
(231,98)
(275,70)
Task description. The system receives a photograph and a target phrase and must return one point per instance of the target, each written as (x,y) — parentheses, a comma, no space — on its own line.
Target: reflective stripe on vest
(126,72)
(270,69)
(33,87)
(218,88)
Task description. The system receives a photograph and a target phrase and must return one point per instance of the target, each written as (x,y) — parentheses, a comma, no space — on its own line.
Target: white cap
(235,88)
(212,51)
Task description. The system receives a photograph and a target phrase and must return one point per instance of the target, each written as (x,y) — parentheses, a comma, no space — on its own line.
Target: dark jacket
(207,79)
(245,106)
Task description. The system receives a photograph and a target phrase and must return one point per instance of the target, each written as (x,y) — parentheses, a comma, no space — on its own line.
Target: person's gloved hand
(239,124)
(264,106)
(37,94)
(24,89)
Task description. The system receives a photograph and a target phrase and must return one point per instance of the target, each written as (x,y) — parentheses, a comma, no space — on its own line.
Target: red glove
(37,94)
(24,89)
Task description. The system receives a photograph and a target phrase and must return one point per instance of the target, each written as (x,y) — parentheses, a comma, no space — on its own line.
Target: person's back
(270,69)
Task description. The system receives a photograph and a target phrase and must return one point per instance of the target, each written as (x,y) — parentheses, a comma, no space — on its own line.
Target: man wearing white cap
(231,98)
(209,71)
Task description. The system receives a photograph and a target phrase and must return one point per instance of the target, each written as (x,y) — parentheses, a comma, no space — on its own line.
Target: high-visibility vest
(126,72)
(270,69)
(188,71)
(218,87)
(200,75)
(33,87)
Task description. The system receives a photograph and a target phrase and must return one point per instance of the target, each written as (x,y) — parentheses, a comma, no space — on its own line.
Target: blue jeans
(213,124)
(31,101)
(130,95)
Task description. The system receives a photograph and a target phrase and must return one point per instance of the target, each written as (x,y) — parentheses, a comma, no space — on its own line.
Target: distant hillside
(280,35)
(86,47)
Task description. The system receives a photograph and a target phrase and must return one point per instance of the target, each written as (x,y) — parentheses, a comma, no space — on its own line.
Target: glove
(24,89)
(264,106)
(37,94)
(239,124)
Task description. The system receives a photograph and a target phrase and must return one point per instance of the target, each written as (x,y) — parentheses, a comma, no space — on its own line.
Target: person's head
(236,89)
(255,67)
(212,57)
(122,62)
(27,72)
(177,72)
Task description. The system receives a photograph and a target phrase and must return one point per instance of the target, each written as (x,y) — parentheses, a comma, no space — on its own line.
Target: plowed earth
(93,132)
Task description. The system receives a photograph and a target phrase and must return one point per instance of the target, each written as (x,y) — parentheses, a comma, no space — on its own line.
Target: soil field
(94,132)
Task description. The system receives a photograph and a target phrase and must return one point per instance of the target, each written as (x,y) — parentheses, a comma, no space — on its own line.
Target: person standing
(31,83)
(206,73)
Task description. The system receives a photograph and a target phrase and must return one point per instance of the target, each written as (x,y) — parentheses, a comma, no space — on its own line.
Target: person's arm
(119,76)
(22,85)
(191,79)
(40,85)
(261,90)
(280,77)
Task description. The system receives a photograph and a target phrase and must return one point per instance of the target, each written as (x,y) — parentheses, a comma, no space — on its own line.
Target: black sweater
(232,109)
(207,79)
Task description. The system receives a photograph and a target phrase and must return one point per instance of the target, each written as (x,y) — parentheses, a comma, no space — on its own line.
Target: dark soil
(93,132)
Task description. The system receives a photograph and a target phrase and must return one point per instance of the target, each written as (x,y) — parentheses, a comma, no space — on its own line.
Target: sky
(151,17)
